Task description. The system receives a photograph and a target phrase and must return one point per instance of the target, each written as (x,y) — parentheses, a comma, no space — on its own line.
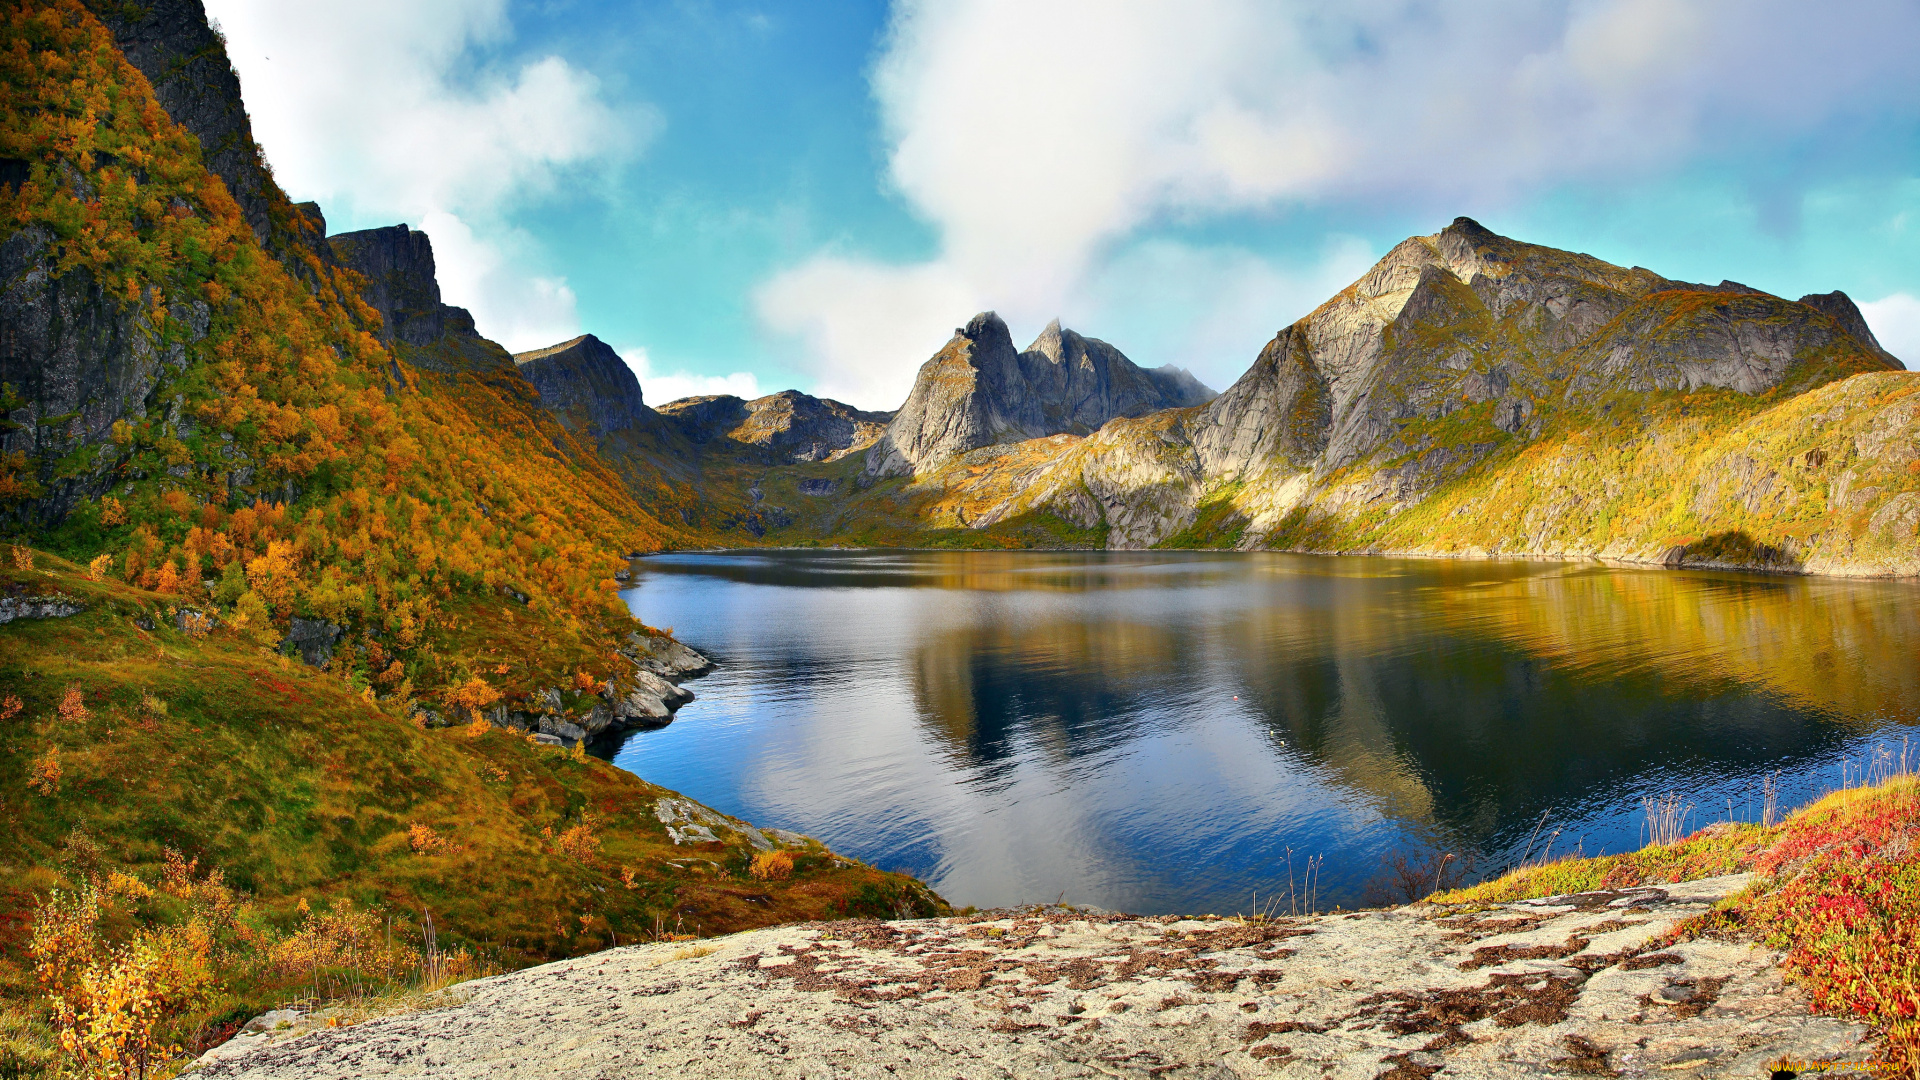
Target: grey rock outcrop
(55,606)
(72,352)
(402,286)
(1840,307)
(586,385)
(979,390)
(790,426)
(312,640)
(174,46)
(1577,985)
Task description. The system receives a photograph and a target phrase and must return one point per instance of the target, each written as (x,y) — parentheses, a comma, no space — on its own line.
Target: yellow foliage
(45,775)
(22,557)
(472,696)
(112,512)
(772,866)
(97,569)
(579,842)
(424,840)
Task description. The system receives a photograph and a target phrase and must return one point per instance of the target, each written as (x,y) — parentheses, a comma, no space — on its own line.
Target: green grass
(297,787)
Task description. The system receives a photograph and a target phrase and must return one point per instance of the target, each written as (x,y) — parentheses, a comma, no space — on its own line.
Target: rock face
(1568,986)
(69,350)
(790,425)
(312,640)
(174,46)
(979,391)
(55,606)
(401,285)
(585,384)
(1452,348)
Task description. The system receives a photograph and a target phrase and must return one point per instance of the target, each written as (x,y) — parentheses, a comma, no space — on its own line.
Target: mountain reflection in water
(1154,731)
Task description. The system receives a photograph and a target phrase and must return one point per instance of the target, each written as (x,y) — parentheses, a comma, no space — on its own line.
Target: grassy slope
(298,787)
(1839,891)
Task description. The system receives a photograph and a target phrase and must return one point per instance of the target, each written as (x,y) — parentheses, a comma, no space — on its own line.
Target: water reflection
(1153,731)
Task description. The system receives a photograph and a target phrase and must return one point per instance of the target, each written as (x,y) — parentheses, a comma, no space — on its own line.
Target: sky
(747,197)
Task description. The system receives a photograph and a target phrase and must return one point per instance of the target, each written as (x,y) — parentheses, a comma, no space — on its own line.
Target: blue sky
(747,197)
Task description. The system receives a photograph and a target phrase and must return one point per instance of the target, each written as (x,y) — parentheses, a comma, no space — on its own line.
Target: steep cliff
(402,285)
(978,391)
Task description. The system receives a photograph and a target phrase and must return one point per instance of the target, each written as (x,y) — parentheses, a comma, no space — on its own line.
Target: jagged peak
(1840,307)
(985,324)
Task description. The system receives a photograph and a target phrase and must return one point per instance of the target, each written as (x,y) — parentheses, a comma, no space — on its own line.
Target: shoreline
(1617,561)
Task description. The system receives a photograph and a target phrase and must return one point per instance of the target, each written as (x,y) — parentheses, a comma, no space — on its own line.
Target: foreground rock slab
(1568,986)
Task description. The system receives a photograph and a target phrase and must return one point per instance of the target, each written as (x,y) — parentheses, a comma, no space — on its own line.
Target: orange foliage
(434,485)
(73,706)
(772,866)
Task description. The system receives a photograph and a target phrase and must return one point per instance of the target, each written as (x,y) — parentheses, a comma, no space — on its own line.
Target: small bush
(772,866)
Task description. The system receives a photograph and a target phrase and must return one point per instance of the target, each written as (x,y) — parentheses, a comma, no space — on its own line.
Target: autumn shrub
(578,841)
(22,557)
(10,706)
(772,866)
(99,567)
(73,707)
(470,697)
(424,841)
(44,775)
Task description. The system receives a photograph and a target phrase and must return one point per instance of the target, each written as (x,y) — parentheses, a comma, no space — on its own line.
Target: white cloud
(864,327)
(1207,309)
(386,111)
(1895,320)
(658,388)
(1038,135)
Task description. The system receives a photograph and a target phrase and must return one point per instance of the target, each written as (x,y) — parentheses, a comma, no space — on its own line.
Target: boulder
(312,640)
(664,656)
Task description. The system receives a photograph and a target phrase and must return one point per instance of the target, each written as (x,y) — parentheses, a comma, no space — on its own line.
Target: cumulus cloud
(1037,135)
(388,111)
(865,327)
(1895,320)
(658,388)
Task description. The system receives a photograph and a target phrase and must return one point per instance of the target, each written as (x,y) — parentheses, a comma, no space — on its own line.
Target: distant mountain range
(1470,395)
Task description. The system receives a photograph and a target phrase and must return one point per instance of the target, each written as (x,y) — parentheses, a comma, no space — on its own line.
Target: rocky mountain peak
(977,391)
(403,287)
(1839,307)
(987,328)
(586,385)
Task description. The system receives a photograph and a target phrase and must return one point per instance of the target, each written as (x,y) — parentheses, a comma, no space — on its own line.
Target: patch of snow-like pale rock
(1562,986)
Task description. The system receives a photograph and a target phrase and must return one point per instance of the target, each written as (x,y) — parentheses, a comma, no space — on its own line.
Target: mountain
(979,391)
(588,387)
(1475,395)
(791,425)
(402,285)
(277,518)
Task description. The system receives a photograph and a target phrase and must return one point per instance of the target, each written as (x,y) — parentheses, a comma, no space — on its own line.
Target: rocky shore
(1573,985)
(646,697)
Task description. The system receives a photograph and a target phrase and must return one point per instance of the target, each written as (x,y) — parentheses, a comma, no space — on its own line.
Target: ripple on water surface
(1172,731)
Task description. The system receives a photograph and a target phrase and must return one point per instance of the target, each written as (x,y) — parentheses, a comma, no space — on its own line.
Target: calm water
(1153,732)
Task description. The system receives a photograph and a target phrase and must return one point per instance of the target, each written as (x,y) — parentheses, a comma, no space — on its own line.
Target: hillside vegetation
(265,831)
(1838,890)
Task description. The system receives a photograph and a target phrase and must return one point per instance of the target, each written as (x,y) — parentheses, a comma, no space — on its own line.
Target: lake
(1162,732)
